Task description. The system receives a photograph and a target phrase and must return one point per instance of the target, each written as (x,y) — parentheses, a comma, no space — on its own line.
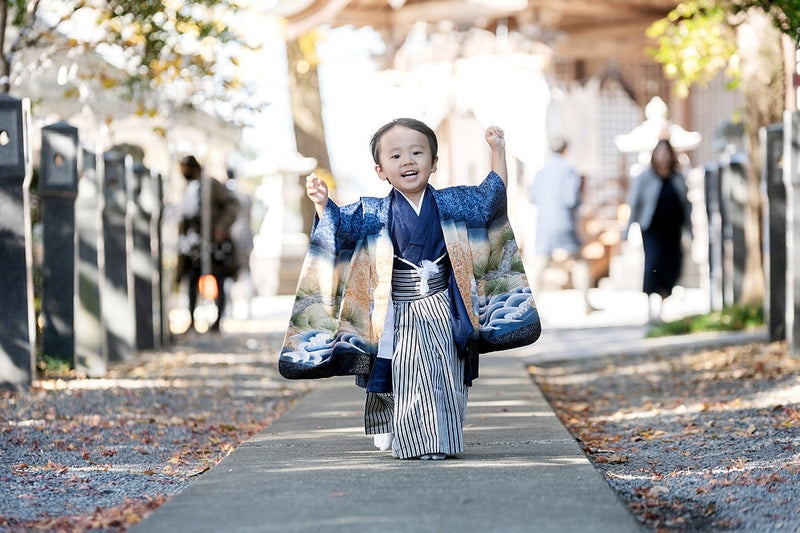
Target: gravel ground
(694,441)
(99,454)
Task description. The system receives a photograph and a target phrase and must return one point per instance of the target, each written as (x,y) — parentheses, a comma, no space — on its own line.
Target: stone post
(17,323)
(791,179)
(734,198)
(774,223)
(162,317)
(716,272)
(91,352)
(117,297)
(142,262)
(58,188)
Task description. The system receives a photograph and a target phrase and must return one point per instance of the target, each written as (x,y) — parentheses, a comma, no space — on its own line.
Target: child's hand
(495,136)
(317,190)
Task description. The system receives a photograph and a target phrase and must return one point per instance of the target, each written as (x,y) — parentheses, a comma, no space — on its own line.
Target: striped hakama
(427,405)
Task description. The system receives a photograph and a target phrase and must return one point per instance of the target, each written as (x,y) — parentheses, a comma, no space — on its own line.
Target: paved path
(314,470)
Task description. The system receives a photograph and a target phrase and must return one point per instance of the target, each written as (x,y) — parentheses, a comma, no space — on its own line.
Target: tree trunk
(759,45)
(5,64)
(790,72)
(306,104)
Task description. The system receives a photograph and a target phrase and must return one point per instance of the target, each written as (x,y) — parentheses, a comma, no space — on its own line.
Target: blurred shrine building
(577,69)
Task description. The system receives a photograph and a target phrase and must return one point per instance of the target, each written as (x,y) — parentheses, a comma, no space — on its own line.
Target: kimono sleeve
(501,297)
(316,345)
(476,205)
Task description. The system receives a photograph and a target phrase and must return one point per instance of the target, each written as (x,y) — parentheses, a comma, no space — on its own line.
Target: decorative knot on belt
(425,270)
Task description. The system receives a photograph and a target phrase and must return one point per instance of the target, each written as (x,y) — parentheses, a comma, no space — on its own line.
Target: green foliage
(17,7)
(733,318)
(697,40)
(785,14)
(186,45)
(50,366)
(167,41)
(694,43)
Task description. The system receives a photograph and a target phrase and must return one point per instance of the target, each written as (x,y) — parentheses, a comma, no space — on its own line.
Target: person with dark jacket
(223,207)
(660,206)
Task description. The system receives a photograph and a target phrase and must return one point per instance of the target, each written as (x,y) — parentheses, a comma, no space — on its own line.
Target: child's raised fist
(495,136)
(317,190)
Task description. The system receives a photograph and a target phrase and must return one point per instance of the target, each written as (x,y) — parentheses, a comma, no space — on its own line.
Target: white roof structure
(656,126)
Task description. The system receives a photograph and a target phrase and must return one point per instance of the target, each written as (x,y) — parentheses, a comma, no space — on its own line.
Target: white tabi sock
(383,441)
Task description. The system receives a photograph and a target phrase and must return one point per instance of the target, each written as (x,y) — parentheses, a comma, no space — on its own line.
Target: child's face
(406,161)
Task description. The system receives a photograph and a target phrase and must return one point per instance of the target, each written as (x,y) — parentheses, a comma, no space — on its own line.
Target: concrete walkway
(314,470)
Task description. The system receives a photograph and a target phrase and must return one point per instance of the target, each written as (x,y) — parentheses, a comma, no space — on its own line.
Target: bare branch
(25,29)
(25,38)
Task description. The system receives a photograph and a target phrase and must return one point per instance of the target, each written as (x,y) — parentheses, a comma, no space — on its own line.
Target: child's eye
(418,152)
(395,156)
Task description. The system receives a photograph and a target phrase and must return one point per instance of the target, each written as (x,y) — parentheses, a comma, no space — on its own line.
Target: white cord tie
(425,270)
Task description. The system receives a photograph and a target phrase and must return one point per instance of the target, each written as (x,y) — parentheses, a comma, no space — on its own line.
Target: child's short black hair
(410,123)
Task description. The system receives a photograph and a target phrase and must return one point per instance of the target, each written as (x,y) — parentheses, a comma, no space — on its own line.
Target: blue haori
(344,291)
(427,405)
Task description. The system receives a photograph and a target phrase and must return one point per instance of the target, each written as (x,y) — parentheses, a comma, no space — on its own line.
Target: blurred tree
(306,103)
(748,41)
(154,45)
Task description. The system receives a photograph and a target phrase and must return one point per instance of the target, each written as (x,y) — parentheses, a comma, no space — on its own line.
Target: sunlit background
(538,70)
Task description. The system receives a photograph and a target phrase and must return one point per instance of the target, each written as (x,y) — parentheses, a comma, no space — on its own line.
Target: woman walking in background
(660,206)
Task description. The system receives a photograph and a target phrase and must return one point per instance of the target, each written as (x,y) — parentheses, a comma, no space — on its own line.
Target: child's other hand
(317,190)
(495,136)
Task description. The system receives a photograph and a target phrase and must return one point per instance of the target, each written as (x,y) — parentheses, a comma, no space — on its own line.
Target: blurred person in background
(223,211)
(556,193)
(660,206)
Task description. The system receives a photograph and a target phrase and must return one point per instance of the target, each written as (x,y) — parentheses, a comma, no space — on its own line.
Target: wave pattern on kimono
(345,283)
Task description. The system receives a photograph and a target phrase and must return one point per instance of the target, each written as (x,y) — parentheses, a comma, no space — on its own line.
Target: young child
(404,292)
